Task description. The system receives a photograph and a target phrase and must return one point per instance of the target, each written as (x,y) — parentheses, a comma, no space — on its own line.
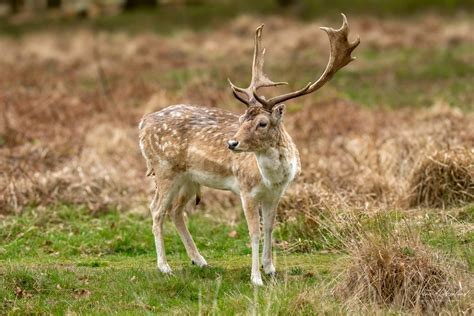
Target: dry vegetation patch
(70,109)
(367,162)
(443,179)
(399,272)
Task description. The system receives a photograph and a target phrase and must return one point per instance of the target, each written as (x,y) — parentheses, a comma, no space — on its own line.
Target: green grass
(390,78)
(165,19)
(452,235)
(133,284)
(309,9)
(64,259)
(202,15)
(411,78)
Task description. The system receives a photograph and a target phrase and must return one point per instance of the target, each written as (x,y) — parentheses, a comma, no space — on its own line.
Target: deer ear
(278,111)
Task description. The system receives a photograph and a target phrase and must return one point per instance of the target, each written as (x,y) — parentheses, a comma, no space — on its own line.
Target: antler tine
(259,79)
(340,56)
(235,92)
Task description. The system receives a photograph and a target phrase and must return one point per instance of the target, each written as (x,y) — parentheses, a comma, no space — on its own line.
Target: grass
(205,15)
(133,285)
(58,259)
(438,74)
(391,77)
(394,78)
(65,259)
(421,78)
(161,20)
(311,8)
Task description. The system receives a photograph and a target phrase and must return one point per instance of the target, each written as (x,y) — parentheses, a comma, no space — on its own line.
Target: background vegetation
(380,221)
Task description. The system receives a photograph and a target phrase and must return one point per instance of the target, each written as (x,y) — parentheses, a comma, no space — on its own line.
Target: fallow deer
(187,146)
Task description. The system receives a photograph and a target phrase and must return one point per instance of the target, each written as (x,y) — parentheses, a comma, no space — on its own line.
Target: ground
(386,151)
(50,267)
(64,259)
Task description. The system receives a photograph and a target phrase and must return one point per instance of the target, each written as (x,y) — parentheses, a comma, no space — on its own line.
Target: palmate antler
(340,56)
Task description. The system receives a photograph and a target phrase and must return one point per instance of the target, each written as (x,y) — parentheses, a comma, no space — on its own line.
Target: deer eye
(262,124)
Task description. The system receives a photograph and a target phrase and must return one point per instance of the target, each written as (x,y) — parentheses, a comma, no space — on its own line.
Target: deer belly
(215,181)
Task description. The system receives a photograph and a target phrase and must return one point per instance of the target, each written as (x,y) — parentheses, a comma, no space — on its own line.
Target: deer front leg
(268,214)
(252,216)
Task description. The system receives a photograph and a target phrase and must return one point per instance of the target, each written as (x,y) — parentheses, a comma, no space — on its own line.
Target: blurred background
(78,75)
(389,140)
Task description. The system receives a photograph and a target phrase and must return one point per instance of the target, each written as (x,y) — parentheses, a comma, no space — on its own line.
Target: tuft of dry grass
(53,156)
(73,183)
(398,273)
(443,179)
(361,159)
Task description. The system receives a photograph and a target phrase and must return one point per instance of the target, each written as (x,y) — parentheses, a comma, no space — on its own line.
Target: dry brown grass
(363,159)
(443,179)
(67,152)
(400,273)
(69,133)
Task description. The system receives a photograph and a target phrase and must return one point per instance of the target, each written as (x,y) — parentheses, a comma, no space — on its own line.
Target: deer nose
(232,144)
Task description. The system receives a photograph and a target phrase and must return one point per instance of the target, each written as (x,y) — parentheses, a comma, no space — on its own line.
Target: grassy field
(106,263)
(64,259)
(383,208)
(207,14)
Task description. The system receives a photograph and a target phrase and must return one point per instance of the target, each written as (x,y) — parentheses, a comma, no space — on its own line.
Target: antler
(259,79)
(340,56)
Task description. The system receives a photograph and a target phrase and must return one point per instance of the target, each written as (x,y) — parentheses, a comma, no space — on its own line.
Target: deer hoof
(270,269)
(164,268)
(256,280)
(200,262)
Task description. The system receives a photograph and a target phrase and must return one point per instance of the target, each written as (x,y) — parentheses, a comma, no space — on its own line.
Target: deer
(252,155)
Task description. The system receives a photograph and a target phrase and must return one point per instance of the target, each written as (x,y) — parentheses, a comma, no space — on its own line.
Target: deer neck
(279,164)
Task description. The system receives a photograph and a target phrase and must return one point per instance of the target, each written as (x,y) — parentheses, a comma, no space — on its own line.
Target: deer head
(258,130)
(260,126)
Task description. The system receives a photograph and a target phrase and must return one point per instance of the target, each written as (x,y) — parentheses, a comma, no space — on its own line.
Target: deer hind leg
(159,208)
(186,193)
